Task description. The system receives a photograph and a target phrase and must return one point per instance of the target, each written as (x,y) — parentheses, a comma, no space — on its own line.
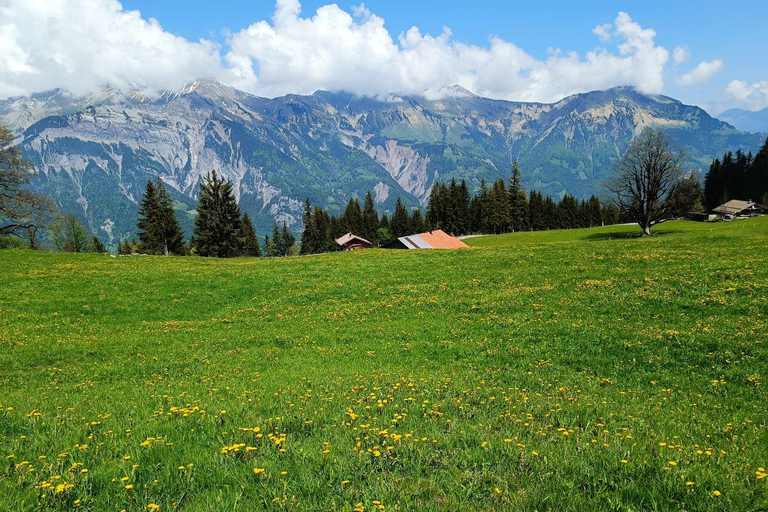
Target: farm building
(436,239)
(737,207)
(350,242)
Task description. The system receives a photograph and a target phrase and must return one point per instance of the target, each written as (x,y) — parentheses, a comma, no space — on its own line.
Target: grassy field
(570,370)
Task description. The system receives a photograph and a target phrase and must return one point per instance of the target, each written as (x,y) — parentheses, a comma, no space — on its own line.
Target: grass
(566,370)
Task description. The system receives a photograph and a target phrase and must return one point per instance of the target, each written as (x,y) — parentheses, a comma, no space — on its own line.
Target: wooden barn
(435,239)
(350,242)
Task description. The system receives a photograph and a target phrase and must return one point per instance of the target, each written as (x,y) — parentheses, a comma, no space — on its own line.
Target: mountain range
(746,120)
(95,154)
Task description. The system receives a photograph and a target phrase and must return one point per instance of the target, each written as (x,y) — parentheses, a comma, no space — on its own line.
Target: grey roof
(414,242)
(734,206)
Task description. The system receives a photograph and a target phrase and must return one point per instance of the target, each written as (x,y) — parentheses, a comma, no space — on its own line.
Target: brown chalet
(737,208)
(350,242)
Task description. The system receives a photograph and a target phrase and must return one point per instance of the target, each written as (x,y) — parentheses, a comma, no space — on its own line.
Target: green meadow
(565,370)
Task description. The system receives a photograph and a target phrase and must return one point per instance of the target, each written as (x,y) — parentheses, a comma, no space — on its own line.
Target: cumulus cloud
(751,96)
(82,45)
(681,54)
(336,50)
(702,74)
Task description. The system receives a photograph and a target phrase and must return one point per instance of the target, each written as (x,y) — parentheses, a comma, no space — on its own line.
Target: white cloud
(681,54)
(82,45)
(751,96)
(702,74)
(334,50)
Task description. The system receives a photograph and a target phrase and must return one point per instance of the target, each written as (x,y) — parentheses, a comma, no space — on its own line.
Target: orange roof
(439,239)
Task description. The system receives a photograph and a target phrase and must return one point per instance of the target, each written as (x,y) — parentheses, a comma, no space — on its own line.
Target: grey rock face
(95,154)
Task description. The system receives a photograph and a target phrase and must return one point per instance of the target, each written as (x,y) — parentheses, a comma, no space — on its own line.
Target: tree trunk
(646,229)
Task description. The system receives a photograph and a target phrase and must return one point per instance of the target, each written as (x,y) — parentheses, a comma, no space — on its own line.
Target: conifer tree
(247,241)
(400,223)
(370,226)
(417,223)
(323,229)
(352,219)
(270,250)
(287,241)
(159,231)
(498,210)
(277,240)
(218,219)
(97,246)
(310,239)
(518,201)
(568,212)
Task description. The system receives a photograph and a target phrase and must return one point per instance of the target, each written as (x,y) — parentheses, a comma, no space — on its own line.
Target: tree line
(737,176)
(505,208)
(500,208)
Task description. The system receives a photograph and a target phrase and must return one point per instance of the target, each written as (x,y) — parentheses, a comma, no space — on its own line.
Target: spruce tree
(400,224)
(417,223)
(247,241)
(218,219)
(323,229)
(97,246)
(518,202)
(159,231)
(277,240)
(287,241)
(270,250)
(353,217)
(310,240)
(370,226)
(148,213)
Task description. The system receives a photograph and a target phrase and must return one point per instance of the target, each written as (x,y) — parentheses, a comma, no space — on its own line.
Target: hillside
(96,153)
(747,120)
(568,370)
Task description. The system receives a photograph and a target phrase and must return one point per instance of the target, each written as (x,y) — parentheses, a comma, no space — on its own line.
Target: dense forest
(738,176)
(499,208)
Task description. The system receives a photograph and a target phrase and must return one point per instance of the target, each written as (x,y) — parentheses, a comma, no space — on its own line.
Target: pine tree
(247,241)
(568,212)
(287,241)
(370,225)
(310,239)
(218,219)
(417,224)
(498,210)
(400,223)
(97,246)
(159,230)
(758,176)
(148,212)
(277,240)
(352,219)
(536,211)
(270,250)
(323,229)
(518,201)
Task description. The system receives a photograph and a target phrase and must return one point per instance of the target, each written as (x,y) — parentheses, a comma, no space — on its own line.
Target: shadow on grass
(624,235)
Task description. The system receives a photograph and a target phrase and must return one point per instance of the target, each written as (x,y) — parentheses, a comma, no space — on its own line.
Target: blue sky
(726,48)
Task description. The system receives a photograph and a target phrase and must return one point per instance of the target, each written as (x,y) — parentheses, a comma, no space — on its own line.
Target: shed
(435,239)
(350,242)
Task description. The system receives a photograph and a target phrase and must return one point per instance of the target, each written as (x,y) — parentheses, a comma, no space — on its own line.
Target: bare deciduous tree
(643,178)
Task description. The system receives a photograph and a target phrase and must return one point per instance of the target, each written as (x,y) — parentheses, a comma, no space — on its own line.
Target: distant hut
(350,242)
(738,208)
(436,239)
